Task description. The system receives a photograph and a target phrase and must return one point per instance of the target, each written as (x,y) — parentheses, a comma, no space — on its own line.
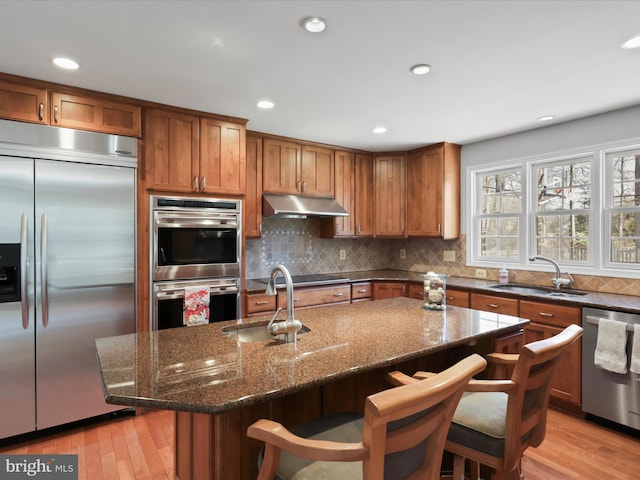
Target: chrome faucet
(290,326)
(557,281)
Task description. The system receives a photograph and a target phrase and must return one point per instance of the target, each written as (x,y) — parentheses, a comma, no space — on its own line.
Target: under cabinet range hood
(300,206)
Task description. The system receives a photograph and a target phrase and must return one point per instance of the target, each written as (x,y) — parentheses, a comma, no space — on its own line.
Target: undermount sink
(535,290)
(254,332)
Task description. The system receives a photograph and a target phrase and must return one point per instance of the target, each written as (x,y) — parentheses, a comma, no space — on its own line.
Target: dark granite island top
(199,369)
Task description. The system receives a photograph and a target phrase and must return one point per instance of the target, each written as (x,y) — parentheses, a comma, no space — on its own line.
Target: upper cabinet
(222,157)
(291,168)
(187,153)
(252,212)
(172,155)
(433,191)
(34,104)
(390,195)
(88,113)
(354,191)
(23,103)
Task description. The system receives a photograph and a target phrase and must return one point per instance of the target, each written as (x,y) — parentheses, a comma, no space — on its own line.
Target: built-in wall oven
(195,242)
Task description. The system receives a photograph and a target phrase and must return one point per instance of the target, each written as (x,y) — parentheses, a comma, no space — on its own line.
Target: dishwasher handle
(595,321)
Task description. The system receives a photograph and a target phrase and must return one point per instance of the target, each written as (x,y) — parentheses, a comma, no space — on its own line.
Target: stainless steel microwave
(195,238)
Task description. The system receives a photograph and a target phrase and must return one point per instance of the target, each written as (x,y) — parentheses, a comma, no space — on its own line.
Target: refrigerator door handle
(43,270)
(24,226)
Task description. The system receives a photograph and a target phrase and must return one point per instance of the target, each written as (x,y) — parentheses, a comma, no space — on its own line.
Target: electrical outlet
(481,273)
(403,253)
(343,254)
(449,256)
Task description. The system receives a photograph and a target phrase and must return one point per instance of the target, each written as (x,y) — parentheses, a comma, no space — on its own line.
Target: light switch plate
(481,273)
(343,254)
(449,256)
(403,253)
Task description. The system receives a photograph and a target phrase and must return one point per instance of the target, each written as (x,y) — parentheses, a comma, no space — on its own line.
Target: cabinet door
(23,103)
(253,201)
(566,383)
(280,166)
(390,196)
(424,193)
(364,196)
(433,191)
(94,114)
(171,151)
(316,172)
(388,290)
(223,167)
(345,194)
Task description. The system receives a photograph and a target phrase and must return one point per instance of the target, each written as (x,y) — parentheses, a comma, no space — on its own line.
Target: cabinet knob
(41,111)
(196,184)
(55,113)
(544,314)
(364,290)
(338,294)
(304,186)
(299,188)
(203,184)
(493,305)
(261,303)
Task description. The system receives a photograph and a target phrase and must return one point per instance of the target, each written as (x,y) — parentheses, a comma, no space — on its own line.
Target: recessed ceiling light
(632,42)
(421,69)
(66,63)
(380,130)
(265,104)
(546,118)
(314,24)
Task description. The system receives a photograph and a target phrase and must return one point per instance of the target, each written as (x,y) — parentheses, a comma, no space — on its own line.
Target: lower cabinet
(495,304)
(316,296)
(383,290)
(259,304)
(458,298)
(361,292)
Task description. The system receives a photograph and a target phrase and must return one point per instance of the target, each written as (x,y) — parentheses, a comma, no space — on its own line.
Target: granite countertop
(610,301)
(199,369)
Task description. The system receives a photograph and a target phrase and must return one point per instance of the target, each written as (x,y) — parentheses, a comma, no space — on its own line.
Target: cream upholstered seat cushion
(479,422)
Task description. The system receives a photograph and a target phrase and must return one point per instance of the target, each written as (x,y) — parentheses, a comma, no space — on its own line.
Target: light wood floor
(141,447)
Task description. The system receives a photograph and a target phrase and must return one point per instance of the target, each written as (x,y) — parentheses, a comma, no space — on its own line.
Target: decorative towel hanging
(635,352)
(611,346)
(196,305)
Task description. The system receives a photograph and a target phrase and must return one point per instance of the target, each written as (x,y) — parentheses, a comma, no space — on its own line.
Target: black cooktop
(302,279)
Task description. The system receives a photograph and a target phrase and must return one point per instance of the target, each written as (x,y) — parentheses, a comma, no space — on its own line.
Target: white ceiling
(497,65)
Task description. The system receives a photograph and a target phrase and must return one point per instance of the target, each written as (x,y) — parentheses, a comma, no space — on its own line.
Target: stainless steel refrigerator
(67,269)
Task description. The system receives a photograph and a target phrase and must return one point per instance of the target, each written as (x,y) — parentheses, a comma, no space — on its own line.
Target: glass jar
(435,291)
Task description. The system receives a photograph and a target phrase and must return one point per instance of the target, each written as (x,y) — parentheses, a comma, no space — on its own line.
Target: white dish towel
(635,352)
(611,346)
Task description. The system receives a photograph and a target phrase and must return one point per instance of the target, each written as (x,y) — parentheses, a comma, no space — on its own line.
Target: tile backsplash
(296,243)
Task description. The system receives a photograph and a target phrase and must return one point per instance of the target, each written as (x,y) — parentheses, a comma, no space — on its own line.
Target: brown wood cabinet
(458,298)
(390,196)
(548,320)
(292,168)
(416,290)
(433,191)
(259,304)
(172,153)
(344,183)
(364,195)
(495,304)
(24,103)
(316,296)
(361,291)
(98,115)
(253,201)
(223,165)
(389,290)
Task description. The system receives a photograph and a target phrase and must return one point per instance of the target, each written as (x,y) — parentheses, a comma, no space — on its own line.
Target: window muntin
(622,210)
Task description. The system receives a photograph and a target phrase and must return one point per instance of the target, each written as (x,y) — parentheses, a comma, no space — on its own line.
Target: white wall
(603,128)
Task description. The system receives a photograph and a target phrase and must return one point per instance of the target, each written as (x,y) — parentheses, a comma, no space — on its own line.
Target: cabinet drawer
(259,303)
(416,290)
(361,290)
(312,296)
(457,298)
(490,303)
(550,314)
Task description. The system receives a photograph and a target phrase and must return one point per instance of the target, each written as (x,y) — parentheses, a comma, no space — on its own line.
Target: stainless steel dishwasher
(605,394)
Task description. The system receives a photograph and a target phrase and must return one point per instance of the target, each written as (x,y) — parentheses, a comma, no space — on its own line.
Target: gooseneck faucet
(557,281)
(290,326)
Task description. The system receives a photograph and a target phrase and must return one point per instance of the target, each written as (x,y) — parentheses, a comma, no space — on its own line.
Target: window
(562,210)
(622,211)
(582,209)
(500,215)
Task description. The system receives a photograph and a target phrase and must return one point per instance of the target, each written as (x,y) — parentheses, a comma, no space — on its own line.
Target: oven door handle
(183,221)
(172,293)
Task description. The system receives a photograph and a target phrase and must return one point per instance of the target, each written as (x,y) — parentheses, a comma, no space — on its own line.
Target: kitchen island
(219,386)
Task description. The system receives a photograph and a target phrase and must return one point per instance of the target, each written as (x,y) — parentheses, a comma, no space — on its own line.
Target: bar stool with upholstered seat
(400,436)
(497,420)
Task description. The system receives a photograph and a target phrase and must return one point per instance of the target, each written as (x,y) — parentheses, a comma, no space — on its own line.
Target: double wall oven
(195,242)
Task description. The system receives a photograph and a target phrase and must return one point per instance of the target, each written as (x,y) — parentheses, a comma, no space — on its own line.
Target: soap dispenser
(503,275)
